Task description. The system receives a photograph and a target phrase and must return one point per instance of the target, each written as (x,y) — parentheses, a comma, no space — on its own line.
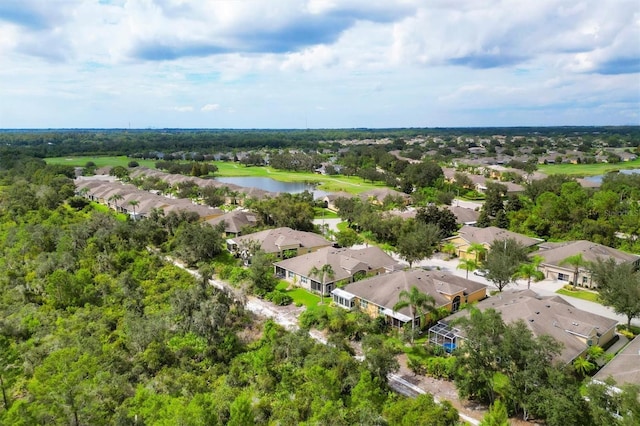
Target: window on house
(380,310)
(455,305)
(585,280)
(364,304)
(563,277)
(304,280)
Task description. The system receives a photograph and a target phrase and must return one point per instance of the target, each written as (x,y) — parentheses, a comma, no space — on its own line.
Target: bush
(318,318)
(279,298)
(133,164)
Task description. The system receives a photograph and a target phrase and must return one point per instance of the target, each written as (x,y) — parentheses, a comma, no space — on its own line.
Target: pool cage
(442,334)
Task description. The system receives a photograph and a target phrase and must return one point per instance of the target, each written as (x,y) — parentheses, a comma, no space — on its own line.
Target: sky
(318,63)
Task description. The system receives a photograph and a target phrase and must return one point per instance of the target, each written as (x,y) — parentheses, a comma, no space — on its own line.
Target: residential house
(554,254)
(346,265)
(464,216)
(234,222)
(283,243)
(624,369)
(377,195)
(330,199)
(468,235)
(553,316)
(378,295)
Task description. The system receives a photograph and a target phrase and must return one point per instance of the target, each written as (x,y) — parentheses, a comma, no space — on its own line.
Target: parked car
(480,272)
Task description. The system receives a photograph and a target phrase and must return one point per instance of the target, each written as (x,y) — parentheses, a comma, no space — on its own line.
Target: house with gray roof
(624,369)
(344,264)
(283,243)
(553,316)
(378,295)
(235,221)
(468,235)
(553,255)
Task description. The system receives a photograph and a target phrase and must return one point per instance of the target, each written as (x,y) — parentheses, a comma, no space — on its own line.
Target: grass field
(580,294)
(99,161)
(320,213)
(587,169)
(351,184)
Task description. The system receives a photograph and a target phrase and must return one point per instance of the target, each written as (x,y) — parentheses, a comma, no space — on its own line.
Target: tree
(497,415)
(419,304)
(577,262)
(450,249)
(114,199)
(502,262)
(416,241)
(261,273)
(133,204)
(478,249)
(619,287)
(467,265)
(324,272)
(528,271)
(348,238)
(379,357)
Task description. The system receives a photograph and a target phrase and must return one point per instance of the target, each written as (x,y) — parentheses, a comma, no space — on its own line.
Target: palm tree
(419,304)
(467,265)
(530,270)
(477,248)
(115,198)
(450,249)
(326,271)
(577,261)
(583,366)
(133,204)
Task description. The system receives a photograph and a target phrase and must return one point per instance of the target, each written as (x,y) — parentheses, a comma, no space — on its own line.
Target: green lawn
(301,296)
(320,213)
(587,169)
(351,184)
(581,294)
(99,161)
(104,209)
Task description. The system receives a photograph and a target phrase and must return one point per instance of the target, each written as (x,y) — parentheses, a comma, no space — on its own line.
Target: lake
(598,178)
(272,185)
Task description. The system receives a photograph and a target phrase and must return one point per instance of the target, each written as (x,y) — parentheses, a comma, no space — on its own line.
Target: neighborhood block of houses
(468,235)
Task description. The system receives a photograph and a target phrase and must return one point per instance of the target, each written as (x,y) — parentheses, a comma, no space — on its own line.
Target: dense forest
(55,143)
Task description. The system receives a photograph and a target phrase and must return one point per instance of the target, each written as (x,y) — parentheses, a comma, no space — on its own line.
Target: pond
(598,178)
(272,185)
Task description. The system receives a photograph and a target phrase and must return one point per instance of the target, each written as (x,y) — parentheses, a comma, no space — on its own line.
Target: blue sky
(318,63)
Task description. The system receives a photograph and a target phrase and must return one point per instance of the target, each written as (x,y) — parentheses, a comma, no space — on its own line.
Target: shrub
(318,318)
(279,298)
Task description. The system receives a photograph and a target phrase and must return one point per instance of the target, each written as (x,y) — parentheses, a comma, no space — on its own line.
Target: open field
(587,169)
(351,184)
(99,161)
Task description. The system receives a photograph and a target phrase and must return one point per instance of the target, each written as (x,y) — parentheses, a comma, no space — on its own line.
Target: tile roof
(490,234)
(549,315)
(555,253)
(345,262)
(384,290)
(271,240)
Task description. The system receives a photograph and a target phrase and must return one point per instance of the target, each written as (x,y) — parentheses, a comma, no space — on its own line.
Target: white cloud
(369,63)
(210,107)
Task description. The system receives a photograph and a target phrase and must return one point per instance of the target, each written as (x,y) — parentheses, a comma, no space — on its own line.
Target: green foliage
(497,415)
(280,298)
(619,287)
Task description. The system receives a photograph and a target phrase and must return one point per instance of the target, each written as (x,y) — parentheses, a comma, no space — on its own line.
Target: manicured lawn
(301,296)
(351,184)
(320,213)
(581,294)
(99,161)
(587,169)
